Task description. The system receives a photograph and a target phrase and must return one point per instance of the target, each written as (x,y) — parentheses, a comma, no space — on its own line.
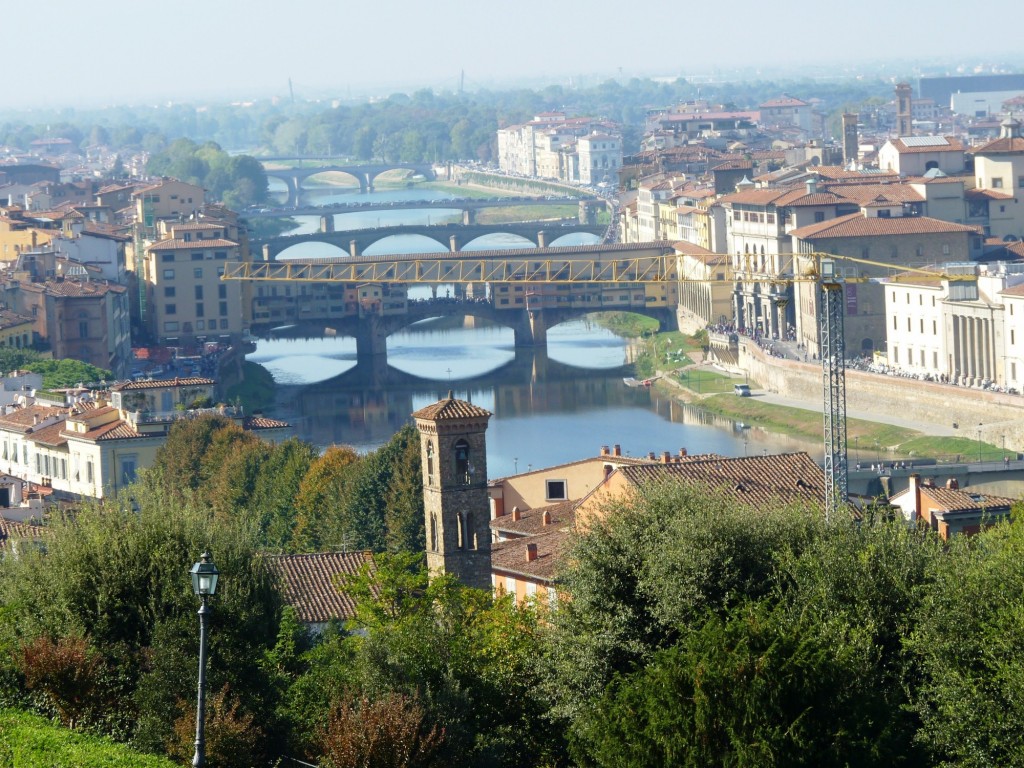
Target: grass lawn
(30,741)
(703,381)
(524,212)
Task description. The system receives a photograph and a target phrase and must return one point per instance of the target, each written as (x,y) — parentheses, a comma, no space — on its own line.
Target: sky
(106,52)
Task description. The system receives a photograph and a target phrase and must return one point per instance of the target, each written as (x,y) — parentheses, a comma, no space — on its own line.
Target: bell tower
(456,505)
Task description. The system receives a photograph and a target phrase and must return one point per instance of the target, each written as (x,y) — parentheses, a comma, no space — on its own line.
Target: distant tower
(456,505)
(904,110)
(851,144)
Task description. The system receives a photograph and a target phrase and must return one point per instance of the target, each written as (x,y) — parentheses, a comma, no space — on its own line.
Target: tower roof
(451,408)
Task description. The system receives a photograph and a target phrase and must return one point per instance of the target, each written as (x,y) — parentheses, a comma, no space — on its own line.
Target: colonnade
(974,358)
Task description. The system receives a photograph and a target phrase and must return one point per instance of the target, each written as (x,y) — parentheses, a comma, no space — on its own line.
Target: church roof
(451,408)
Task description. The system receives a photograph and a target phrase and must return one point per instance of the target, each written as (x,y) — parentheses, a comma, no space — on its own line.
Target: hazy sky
(95,52)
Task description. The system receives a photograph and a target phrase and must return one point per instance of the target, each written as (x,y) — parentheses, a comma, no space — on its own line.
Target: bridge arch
(486,242)
(312,250)
(572,238)
(407,243)
(359,179)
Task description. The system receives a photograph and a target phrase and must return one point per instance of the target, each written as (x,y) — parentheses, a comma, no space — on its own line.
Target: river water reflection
(550,406)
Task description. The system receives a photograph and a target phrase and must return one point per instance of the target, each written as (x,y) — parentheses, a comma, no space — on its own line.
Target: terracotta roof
(859,225)
(50,435)
(10,319)
(958,500)
(12,529)
(22,419)
(195,226)
(691,249)
(311,583)
(987,194)
(531,521)
(798,198)
(784,101)
(451,408)
(180,244)
(115,430)
(74,288)
(861,193)
(754,196)
(735,164)
(787,477)
(192,381)
(264,422)
(1000,146)
(510,557)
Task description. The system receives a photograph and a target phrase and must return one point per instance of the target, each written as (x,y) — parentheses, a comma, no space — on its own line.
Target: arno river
(550,406)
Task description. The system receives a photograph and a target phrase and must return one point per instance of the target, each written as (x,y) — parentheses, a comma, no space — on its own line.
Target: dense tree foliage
(56,373)
(236,180)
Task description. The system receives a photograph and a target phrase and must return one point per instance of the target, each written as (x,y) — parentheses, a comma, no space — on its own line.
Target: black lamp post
(204,583)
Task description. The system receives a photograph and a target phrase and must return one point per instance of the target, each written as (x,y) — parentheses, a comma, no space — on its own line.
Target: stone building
(456,504)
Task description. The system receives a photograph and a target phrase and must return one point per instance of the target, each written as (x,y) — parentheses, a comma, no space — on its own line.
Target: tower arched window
(430,462)
(433,532)
(462,466)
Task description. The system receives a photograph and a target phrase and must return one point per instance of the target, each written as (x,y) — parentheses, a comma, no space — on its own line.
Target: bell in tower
(456,506)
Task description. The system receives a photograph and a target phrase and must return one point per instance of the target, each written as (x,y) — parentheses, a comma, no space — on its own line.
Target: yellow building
(15,330)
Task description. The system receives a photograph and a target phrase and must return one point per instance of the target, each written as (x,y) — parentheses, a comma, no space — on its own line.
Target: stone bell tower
(456,505)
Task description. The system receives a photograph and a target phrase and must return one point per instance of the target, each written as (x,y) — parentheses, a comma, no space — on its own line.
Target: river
(550,406)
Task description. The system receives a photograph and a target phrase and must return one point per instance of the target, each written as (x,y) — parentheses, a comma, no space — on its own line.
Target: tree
(319,505)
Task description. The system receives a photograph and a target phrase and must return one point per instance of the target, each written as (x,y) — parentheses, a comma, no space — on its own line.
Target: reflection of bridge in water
(367,404)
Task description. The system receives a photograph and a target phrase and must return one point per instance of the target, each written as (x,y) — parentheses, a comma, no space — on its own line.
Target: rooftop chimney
(953,484)
(604,450)
(616,450)
(682,453)
(531,552)
(546,518)
(665,456)
(516,514)
(651,455)
(914,486)
(812,185)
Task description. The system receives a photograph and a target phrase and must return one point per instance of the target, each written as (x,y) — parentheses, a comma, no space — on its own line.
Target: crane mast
(833,367)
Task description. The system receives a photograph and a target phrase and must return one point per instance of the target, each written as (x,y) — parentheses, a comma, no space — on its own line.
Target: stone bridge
(364,174)
(453,237)
(371,330)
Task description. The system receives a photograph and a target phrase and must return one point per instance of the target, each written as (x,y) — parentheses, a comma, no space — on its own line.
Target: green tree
(320,522)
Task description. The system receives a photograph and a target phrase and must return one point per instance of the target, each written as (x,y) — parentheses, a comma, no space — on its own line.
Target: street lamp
(204,583)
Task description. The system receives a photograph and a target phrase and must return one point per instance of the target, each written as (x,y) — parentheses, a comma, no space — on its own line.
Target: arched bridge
(454,204)
(451,236)
(364,174)
(372,328)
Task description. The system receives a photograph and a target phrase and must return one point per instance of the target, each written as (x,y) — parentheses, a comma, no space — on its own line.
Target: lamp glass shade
(204,576)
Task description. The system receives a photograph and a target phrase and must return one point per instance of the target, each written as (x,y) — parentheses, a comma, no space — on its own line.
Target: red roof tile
(311,583)
(859,225)
(451,408)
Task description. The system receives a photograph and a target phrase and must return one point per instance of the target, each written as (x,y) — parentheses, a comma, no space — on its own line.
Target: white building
(600,157)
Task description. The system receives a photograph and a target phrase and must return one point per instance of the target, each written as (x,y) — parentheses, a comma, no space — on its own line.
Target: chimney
(682,453)
(616,450)
(665,456)
(35,419)
(545,518)
(531,552)
(516,514)
(953,484)
(650,455)
(604,450)
(914,486)
(812,185)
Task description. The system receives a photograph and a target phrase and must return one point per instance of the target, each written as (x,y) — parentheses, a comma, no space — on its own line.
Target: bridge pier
(468,217)
(371,338)
(531,330)
(353,249)
(542,239)
(588,212)
(327,223)
(453,243)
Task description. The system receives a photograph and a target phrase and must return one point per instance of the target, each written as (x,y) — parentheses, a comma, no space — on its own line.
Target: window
(171,327)
(167,257)
(169,292)
(199,309)
(220,254)
(555,490)
(83,329)
(197,273)
(222,291)
(1020,182)
(168,274)
(945,249)
(197,255)
(430,464)
(908,323)
(128,466)
(463,470)
(1013,337)
(199,293)
(997,183)
(200,325)
(935,328)
(922,331)
(88,471)
(223,309)
(819,216)
(894,323)
(170,309)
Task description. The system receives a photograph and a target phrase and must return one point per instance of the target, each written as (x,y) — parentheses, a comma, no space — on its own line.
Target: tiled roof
(531,522)
(23,419)
(451,408)
(859,225)
(798,198)
(12,529)
(510,556)
(192,381)
(264,422)
(754,196)
(958,500)
(10,319)
(311,583)
(861,193)
(986,194)
(115,430)
(180,244)
(787,477)
(50,435)
(784,101)
(691,249)
(734,165)
(1000,146)
(74,288)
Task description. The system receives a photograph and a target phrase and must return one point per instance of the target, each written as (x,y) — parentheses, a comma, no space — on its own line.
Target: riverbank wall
(999,416)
